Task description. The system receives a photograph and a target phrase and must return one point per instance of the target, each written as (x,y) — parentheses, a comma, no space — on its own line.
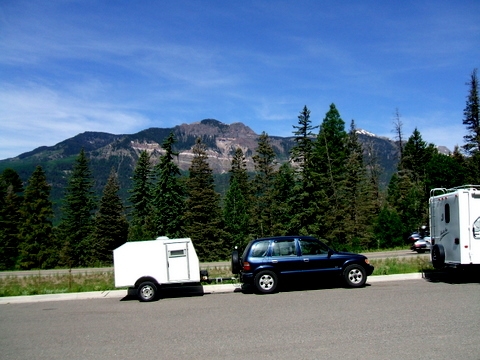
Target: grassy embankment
(70,283)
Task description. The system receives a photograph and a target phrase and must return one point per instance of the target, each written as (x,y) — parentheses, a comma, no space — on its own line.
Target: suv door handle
(274,261)
(306,260)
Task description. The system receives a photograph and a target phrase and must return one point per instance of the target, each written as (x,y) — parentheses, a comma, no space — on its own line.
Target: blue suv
(268,261)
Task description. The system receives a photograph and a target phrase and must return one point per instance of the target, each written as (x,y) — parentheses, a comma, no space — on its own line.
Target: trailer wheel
(266,282)
(235,262)
(438,256)
(354,275)
(147,291)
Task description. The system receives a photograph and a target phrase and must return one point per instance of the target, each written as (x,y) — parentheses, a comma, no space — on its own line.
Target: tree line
(330,189)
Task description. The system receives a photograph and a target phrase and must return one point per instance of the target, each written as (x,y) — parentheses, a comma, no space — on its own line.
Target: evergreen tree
(239,172)
(169,194)
(388,229)
(37,249)
(444,171)
(302,151)
(329,175)
(303,189)
(358,201)
(236,216)
(11,189)
(284,202)
(203,215)
(235,210)
(111,225)
(142,220)
(412,196)
(78,212)
(471,117)
(472,139)
(262,187)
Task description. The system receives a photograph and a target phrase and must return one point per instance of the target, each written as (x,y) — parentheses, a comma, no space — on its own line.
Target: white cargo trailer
(147,265)
(455,226)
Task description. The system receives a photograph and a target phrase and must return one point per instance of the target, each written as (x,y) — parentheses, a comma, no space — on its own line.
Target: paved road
(413,319)
(218,264)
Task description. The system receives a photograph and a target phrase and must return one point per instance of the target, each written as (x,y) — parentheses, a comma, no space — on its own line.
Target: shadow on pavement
(169,292)
(464,275)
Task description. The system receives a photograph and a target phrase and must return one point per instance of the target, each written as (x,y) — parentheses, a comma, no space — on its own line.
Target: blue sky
(123,66)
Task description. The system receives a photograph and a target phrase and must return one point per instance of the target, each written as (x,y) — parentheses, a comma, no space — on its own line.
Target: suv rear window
(259,249)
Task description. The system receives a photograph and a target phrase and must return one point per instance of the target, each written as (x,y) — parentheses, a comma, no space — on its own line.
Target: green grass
(391,266)
(71,283)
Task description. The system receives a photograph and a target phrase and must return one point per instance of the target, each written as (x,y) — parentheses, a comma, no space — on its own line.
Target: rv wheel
(438,256)
(147,291)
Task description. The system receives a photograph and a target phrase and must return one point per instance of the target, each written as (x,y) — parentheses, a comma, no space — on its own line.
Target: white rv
(455,226)
(147,265)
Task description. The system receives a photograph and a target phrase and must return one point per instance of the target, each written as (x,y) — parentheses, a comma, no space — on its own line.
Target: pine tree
(471,117)
(262,187)
(329,176)
(11,192)
(359,205)
(301,153)
(235,210)
(236,216)
(37,249)
(78,213)
(203,215)
(111,225)
(169,194)
(11,189)
(472,139)
(303,188)
(284,202)
(142,227)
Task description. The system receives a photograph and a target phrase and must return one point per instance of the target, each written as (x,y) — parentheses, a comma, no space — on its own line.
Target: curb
(207,289)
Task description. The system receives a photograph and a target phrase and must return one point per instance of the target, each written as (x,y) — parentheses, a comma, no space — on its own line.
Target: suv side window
(259,249)
(312,247)
(284,248)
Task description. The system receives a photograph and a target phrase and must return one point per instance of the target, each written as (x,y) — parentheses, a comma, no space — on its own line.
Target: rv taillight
(457,241)
(246,266)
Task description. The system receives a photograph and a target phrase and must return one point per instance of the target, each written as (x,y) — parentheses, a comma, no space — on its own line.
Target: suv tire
(266,281)
(354,275)
(235,262)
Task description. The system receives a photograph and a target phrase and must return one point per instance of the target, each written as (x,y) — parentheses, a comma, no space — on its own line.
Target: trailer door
(474,207)
(177,262)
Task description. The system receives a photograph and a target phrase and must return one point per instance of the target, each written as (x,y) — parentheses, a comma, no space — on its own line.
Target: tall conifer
(169,194)
(111,225)
(78,213)
(203,215)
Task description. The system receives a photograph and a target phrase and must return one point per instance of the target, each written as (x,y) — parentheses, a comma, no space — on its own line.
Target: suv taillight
(246,266)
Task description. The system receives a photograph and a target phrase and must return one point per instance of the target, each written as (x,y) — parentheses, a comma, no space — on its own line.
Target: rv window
(476,229)
(447,213)
(176,253)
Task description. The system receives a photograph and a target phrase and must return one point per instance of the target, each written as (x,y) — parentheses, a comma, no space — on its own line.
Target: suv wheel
(266,281)
(355,275)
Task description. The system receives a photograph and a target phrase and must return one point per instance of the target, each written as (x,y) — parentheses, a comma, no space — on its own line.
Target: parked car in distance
(413,237)
(266,262)
(422,245)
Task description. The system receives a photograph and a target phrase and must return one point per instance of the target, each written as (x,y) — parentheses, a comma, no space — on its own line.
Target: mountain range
(106,151)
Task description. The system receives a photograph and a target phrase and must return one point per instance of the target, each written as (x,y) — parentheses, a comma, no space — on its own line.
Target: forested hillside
(328,181)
